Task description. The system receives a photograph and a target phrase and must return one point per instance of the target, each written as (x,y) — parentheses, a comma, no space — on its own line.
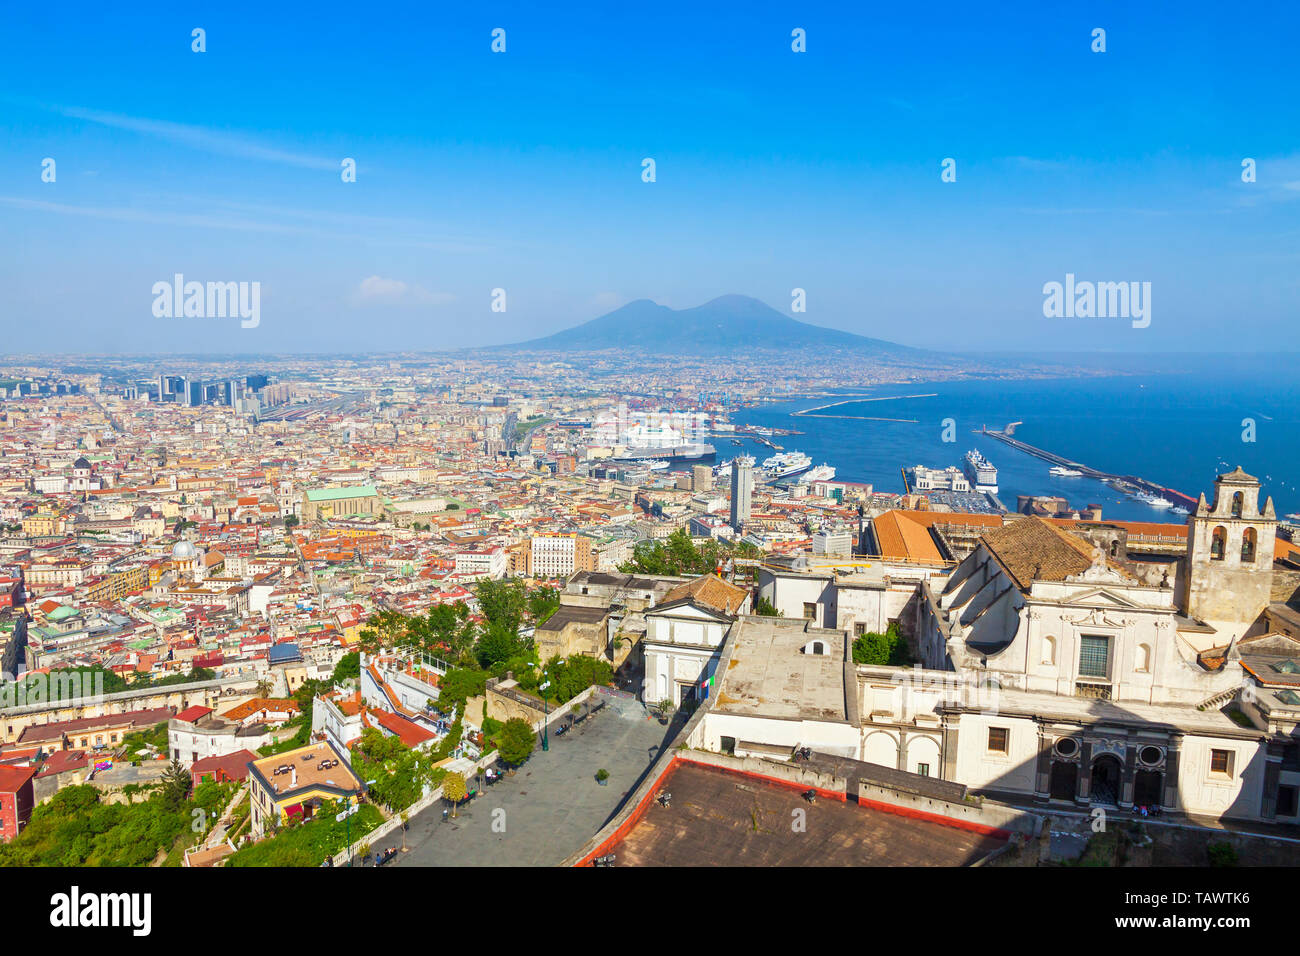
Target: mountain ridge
(724,324)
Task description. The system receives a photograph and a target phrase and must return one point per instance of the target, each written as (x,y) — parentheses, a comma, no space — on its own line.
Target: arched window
(1237,500)
(1144,658)
(1248,546)
(1218,543)
(1049,650)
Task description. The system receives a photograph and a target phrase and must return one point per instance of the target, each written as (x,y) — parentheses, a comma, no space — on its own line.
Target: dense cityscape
(731,439)
(336,606)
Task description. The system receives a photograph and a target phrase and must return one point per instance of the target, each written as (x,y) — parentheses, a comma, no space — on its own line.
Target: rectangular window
(998,740)
(923,769)
(1288,801)
(809,611)
(1221,762)
(1094,656)
(859,629)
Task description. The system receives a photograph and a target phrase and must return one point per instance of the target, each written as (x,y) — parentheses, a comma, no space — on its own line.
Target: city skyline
(774,171)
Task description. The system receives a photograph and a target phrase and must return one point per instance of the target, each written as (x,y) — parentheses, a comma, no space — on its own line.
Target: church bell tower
(1230,556)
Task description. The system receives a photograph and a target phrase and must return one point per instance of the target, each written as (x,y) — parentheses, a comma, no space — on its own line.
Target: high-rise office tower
(742,489)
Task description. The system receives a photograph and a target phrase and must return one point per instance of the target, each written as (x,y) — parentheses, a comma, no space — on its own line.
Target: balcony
(1092,690)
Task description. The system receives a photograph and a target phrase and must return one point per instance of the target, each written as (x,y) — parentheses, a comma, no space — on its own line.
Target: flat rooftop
(306,762)
(718,818)
(770,676)
(573,614)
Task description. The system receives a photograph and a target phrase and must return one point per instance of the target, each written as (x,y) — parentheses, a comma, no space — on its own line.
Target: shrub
(1222,854)
(516,741)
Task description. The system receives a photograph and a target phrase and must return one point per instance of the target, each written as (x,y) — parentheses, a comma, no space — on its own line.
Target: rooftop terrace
(721,818)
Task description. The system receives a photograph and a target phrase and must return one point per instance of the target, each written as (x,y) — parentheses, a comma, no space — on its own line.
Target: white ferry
(1154,501)
(785,465)
(1060,471)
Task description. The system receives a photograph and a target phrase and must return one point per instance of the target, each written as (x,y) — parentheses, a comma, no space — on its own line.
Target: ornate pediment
(1099,571)
(1102,598)
(1098,616)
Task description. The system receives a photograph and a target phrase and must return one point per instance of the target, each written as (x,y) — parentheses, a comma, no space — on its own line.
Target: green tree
(460,684)
(517,741)
(503,602)
(384,629)
(766,608)
(889,648)
(176,781)
(349,666)
(677,554)
(454,789)
(400,774)
(498,645)
(571,677)
(542,603)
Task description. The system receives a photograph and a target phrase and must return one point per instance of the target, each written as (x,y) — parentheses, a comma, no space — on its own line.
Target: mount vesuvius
(729,323)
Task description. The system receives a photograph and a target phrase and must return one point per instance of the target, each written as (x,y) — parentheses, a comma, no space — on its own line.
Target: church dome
(184,551)
(82,463)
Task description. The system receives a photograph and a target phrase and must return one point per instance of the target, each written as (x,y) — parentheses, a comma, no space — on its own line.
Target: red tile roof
(409,732)
(13,779)
(226,766)
(63,760)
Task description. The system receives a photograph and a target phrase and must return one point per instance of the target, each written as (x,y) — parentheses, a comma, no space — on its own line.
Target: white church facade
(1055,668)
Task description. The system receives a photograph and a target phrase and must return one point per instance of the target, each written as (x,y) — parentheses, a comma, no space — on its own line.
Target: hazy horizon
(775,170)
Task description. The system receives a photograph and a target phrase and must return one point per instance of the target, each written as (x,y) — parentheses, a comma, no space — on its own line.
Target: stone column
(1043,774)
(1272,774)
(1085,772)
(1129,773)
(903,741)
(1173,757)
(949,771)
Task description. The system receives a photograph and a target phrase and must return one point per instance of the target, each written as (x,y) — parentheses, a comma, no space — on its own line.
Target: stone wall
(1286,586)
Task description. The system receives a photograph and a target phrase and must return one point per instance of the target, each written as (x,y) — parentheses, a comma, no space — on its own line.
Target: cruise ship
(686,452)
(785,465)
(822,472)
(981,473)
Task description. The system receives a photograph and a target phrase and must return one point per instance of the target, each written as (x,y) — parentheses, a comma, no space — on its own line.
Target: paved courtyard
(552,804)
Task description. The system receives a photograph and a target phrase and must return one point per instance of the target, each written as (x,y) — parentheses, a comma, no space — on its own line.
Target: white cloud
(198,137)
(377,290)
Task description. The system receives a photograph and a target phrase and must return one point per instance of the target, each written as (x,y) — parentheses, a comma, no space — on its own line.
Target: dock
(1125,483)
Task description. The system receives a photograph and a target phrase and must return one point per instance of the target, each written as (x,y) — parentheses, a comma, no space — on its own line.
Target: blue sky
(522,170)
